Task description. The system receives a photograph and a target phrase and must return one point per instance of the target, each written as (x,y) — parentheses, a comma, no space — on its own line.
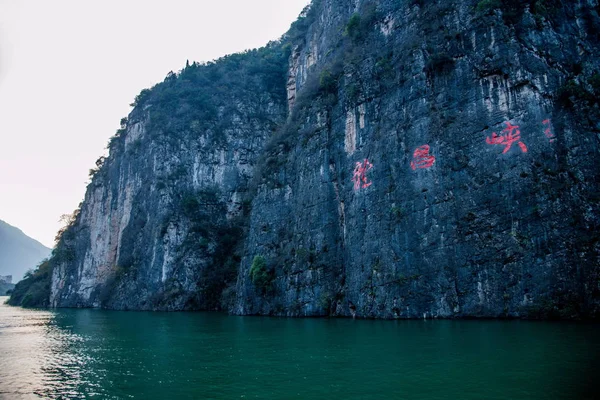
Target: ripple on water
(73,354)
(38,358)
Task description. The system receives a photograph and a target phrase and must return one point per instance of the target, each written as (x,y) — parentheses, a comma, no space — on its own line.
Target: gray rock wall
(160,217)
(454,184)
(409,159)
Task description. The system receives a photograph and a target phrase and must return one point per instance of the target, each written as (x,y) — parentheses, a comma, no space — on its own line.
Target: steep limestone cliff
(439,169)
(388,159)
(159,221)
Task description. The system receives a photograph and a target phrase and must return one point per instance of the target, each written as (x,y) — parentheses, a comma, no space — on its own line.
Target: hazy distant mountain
(18,252)
(4,287)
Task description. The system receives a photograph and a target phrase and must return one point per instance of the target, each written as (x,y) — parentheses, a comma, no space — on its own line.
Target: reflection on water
(37,357)
(71,354)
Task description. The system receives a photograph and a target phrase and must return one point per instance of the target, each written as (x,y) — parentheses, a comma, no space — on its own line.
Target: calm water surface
(71,354)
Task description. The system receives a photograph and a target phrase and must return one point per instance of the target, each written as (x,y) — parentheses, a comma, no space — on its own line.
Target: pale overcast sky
(69,70)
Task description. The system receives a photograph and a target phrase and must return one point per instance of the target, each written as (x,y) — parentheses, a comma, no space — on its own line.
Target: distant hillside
(4,287)
(18,252)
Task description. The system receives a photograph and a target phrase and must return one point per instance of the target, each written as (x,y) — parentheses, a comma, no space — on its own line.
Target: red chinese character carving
(422,158)
(513,134)
(548,130)
(360,175)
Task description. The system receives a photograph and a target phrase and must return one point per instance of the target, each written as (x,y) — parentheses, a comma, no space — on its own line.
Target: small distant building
(6,279)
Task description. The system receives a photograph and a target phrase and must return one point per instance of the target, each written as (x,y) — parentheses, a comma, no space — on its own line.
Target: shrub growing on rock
(259,274)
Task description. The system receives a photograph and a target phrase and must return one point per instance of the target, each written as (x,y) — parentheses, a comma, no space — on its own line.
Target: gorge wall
(444,174)
(161,217)
(387,159)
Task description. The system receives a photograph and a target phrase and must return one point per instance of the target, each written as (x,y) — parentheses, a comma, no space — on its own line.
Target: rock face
(385,159)
(159,219)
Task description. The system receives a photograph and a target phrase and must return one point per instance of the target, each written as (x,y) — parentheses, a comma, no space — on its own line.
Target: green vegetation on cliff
(193,101)
(260,275)
(34,289)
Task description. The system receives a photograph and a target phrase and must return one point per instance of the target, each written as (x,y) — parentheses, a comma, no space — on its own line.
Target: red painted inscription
(548,130)
(422,158)
(509,135)
(360,175)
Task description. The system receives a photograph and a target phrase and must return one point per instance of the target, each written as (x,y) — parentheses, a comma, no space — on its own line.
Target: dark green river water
(73,354)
